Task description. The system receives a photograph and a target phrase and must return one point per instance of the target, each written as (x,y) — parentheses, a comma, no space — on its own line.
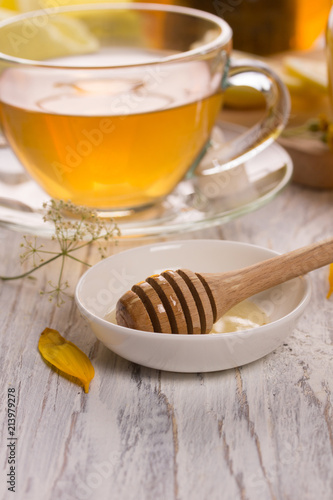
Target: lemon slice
(312,73)
(247,97)
(8,4)
(60,37)
(304,78)
(243,98)
(28,5)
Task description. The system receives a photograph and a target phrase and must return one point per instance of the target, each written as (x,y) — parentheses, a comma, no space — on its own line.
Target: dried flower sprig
(320,128)
(84,228)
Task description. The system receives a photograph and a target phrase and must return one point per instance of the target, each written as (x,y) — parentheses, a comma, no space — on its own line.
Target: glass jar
(264,28)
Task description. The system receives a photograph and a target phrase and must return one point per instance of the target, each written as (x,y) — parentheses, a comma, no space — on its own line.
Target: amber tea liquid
(109,141)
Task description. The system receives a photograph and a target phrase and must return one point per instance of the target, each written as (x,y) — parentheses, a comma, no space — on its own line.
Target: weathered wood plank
(261,431)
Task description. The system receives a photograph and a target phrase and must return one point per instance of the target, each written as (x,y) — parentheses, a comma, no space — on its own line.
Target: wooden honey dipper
(186,302)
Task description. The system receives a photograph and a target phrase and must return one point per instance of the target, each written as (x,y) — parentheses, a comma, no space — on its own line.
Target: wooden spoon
(186,302)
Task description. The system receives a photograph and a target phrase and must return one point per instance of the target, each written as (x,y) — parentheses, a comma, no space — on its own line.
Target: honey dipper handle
(234,286)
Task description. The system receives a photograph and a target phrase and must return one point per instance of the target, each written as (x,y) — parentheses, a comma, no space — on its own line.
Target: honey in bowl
(244,316)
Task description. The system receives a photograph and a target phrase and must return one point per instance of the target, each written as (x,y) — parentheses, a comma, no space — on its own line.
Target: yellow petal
(330,280)
(66,357)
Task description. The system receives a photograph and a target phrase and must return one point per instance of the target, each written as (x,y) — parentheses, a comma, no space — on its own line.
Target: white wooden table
(262,431)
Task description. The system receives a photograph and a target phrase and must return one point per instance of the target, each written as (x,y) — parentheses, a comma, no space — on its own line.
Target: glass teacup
(110,106)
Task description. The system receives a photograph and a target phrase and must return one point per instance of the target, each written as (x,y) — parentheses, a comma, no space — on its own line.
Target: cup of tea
(111,105)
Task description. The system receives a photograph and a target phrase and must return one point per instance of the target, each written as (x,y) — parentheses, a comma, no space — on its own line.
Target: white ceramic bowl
(99,289)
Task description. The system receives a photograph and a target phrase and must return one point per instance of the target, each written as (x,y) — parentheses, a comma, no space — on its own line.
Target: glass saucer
(196,203)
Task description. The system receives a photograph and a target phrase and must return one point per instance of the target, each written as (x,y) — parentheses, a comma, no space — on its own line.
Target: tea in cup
(110,106)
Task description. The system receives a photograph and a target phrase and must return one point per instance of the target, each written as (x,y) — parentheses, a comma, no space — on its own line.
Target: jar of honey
(264,28)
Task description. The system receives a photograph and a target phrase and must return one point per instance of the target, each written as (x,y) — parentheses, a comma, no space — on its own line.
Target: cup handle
(232,154)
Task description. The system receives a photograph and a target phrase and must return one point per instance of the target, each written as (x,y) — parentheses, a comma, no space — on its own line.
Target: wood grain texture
(198,292)
(181,288)
(171,303)
(262,431)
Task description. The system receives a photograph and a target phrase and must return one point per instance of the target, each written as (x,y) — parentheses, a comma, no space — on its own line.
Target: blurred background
(260,26)
(289,36)
(265,27)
